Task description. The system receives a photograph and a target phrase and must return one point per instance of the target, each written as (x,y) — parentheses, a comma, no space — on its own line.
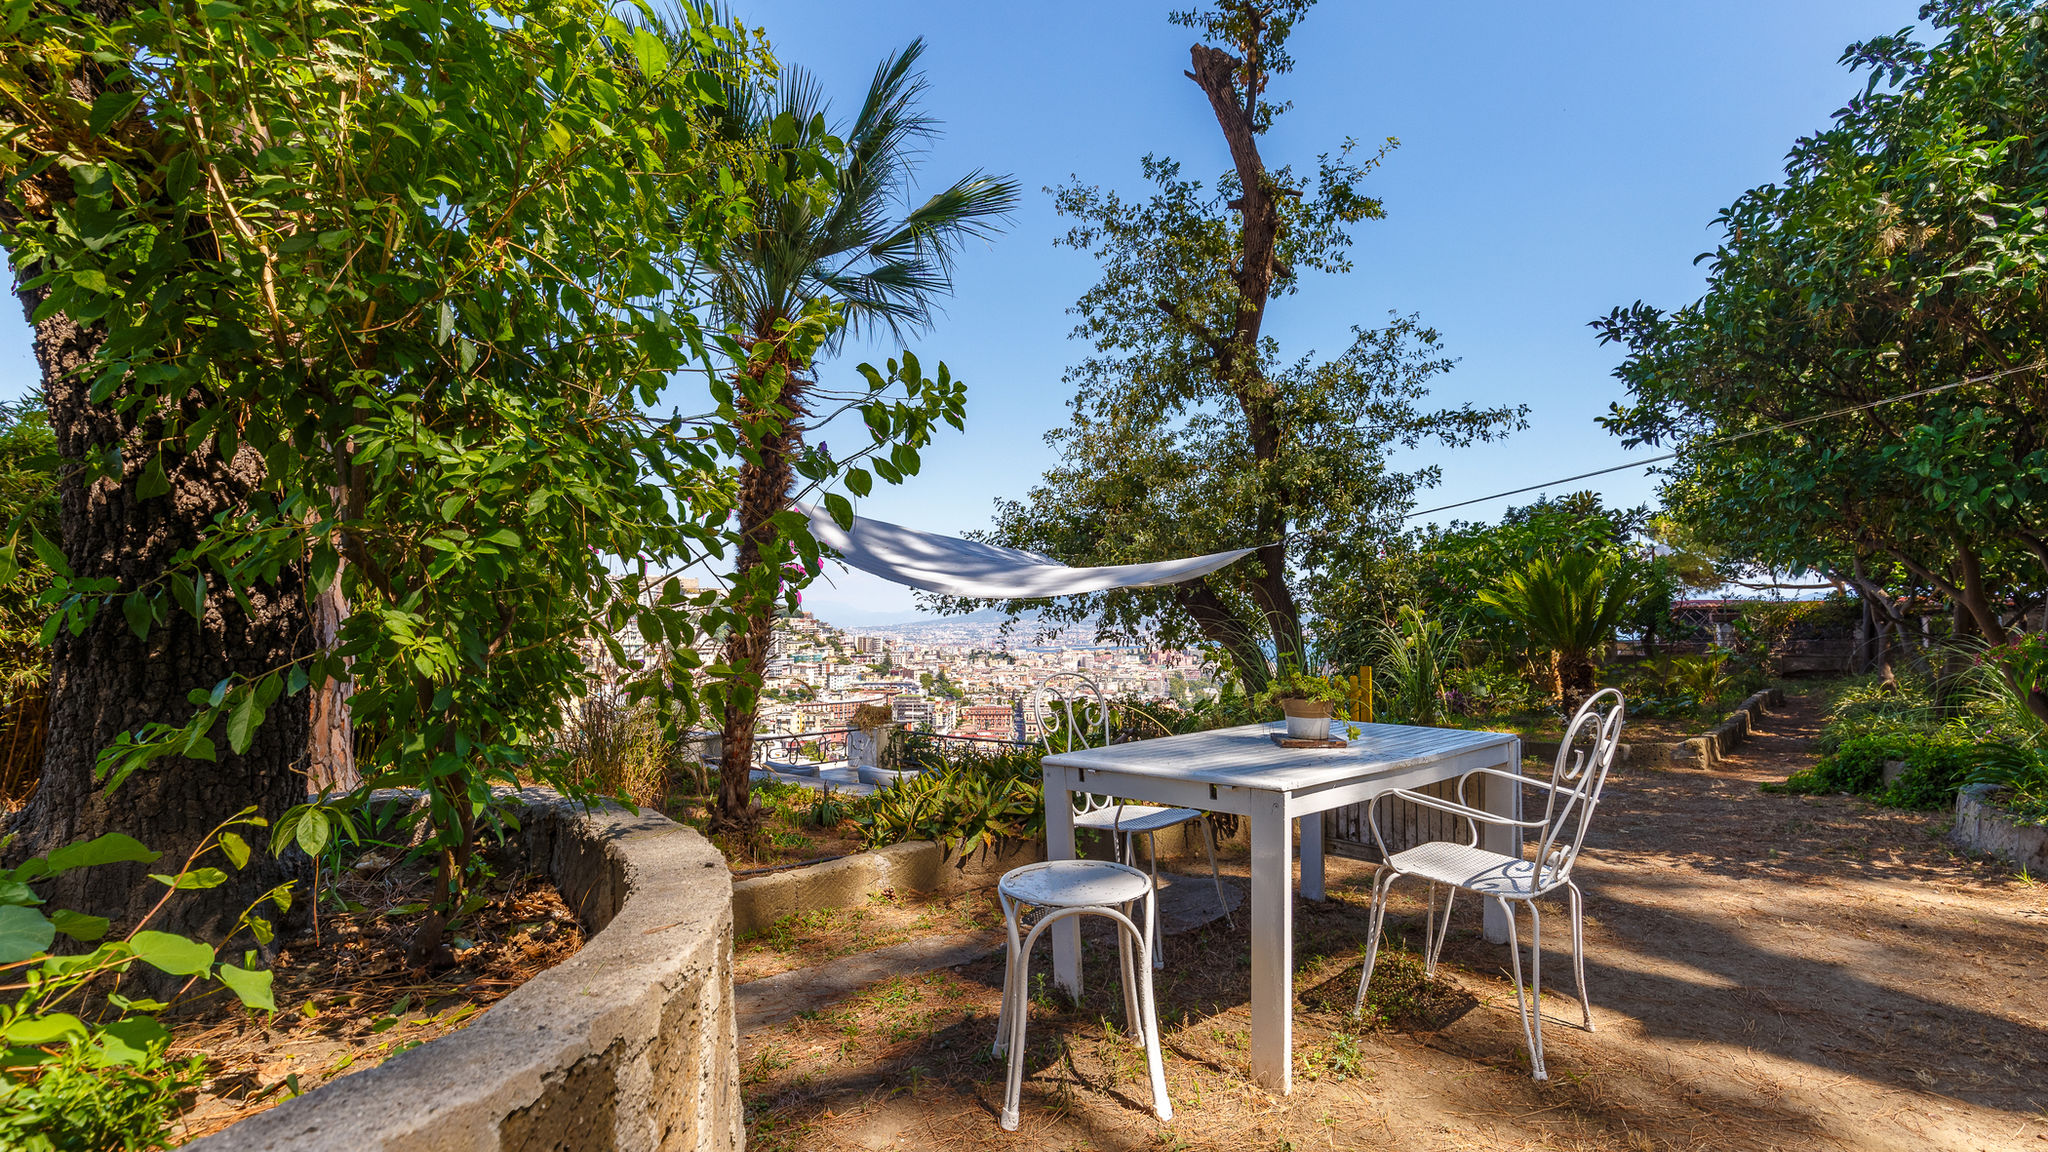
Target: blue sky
(1556,160)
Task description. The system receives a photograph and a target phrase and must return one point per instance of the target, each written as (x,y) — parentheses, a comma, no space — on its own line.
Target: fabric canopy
(969,568)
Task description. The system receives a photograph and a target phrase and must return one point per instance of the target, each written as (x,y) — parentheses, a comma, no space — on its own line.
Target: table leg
(1502,799)
(1059,845)
(1272,898)
(1312,856)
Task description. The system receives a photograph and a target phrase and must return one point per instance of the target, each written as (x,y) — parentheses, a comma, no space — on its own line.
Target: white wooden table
(1241,771)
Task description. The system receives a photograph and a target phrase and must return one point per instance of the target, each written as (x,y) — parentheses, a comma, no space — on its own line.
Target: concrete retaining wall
(630,1044)
(1981,826)
(1703,751)
(916,866)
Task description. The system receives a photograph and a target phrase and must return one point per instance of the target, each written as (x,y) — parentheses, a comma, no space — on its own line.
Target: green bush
(1937,763)
(84,1101)
(965,801)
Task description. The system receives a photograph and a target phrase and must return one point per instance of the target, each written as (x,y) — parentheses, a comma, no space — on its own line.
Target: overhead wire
(1803,420)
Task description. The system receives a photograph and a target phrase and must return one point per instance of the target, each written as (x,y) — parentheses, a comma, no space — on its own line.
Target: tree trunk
(332,749)
(757,580)
(1574,680)
(104,681)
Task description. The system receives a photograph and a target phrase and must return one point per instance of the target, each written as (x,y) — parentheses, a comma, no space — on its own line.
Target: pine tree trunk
(105,681)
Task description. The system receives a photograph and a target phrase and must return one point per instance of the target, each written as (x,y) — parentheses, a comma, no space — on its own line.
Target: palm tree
(1569,604)
(852,248)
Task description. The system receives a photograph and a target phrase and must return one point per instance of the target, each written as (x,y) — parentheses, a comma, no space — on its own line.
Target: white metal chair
(1571,795)
(1063,888)
(1069,717)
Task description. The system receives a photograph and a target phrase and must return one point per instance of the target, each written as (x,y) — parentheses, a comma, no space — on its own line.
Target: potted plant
(1307,701)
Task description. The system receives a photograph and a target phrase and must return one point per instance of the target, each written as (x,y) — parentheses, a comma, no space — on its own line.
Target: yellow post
(1361,694)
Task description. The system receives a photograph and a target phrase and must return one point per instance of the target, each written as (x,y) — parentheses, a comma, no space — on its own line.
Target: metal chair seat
(1138,819)
(1074,884)
(1472,869)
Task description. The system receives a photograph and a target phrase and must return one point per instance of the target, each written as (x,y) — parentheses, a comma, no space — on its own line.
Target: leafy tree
(848,254)
(431,298)
(1569,604)
(1190,433)
(1902,251)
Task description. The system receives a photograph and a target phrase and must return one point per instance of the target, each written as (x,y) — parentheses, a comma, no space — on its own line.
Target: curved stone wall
(630,1044)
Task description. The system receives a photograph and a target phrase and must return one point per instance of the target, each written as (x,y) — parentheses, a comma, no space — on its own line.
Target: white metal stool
(1064,888)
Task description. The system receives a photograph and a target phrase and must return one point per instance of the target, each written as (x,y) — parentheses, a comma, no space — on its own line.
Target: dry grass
(806,939)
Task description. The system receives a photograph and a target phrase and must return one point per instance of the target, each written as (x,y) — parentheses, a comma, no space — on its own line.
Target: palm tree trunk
(757,582)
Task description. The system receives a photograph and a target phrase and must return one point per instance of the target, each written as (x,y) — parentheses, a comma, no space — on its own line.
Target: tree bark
(105,681)
(1221,627)
(764,491)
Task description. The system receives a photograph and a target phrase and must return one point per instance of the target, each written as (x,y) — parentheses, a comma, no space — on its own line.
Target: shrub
(105,1081)
(965,801)
(1937,763)
(2023,773)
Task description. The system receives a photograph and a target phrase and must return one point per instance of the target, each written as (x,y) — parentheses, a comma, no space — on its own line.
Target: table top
(1247,757)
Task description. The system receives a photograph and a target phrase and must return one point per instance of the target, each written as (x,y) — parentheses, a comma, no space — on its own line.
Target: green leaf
(132,1040)
(168,952)
(79,926)
(236,848)
(243,722)
(17,892)
(313,832)
(253,987)
(49,1029)
(135,606)
(51,555)
(109,848)
(841,509)
(24,932)
(153,482)
(197,878)
(9,566)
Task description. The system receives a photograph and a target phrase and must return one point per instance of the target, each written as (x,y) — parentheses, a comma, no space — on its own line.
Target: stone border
(1982,827)
(629,1044)
(1702,751)
(913,866)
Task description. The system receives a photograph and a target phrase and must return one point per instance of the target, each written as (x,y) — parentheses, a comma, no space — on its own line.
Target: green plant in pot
(1307,701)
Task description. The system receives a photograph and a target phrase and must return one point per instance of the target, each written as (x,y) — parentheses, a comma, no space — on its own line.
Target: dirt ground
(348,1002)
(1767,972)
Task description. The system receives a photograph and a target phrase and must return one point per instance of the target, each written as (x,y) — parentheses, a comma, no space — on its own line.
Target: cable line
(1803,420)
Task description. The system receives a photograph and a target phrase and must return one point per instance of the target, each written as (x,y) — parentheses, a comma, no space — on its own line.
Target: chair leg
(1579,952)
(1013,1085)
(1155,938)
(1532,1013)
(1162,1107)
(1434,935)
(1011,1001)
(1126,959)
(1215,874)
(1382,884)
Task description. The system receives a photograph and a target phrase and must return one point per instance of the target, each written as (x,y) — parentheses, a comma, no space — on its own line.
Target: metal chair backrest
(1069,708)
(1590,743)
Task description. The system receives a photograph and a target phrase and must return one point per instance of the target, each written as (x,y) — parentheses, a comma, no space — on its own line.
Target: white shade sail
(957,567)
